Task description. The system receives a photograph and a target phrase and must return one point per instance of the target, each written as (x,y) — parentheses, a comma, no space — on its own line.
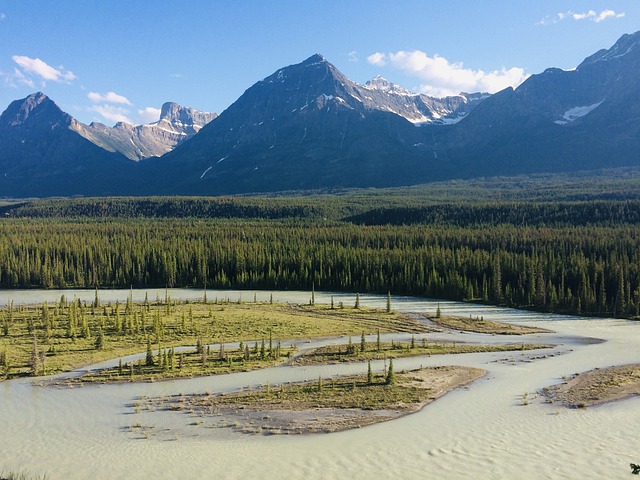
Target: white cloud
(443,78)
(111,113)
(35,66)
(353,56)
(109,97)
(149,115)
(603,15)
(2,16)
(378,59)
(591,15)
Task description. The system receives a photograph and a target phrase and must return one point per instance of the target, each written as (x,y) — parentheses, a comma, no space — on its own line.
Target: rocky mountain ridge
(307,126)
(137,142)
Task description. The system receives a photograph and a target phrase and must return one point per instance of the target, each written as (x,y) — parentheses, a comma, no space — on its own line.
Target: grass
(480,325)
(321,406)
(345,392)
(196,362)
(340,353)
(48,339)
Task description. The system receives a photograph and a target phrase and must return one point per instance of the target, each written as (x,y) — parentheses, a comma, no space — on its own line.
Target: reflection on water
(484,431)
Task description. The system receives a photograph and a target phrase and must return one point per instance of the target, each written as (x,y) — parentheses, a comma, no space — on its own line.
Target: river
(483,431)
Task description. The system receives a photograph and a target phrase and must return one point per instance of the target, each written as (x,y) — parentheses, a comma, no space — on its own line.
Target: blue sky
(120,60)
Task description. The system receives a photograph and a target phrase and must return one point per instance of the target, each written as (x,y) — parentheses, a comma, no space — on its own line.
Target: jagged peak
(175,113)
(20,110)
(315,58)
(380,83)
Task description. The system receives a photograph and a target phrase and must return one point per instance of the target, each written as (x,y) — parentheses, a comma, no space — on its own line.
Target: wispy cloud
(443,78)
(111,113)
(109,97)
(590,15)
(2,16)
(34,67)
(353,56)
(16,78)
(149,115)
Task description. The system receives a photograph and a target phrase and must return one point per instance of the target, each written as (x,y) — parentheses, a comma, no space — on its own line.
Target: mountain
(308,126)
(419,109)
(558,120)
(42,155)
(138,142)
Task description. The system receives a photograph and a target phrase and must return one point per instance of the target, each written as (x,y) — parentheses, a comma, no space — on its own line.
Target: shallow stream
(486,430)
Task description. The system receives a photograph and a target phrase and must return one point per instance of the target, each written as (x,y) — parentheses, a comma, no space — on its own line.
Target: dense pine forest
(572,256)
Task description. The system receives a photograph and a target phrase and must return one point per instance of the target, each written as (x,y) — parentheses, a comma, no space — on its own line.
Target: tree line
(570,268)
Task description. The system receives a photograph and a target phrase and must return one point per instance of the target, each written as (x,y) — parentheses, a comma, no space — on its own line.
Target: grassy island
(48,339)
(323,406)
(480,325)
(377,351)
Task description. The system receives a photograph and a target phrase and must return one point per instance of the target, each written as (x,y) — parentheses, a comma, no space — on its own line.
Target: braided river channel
(484,430)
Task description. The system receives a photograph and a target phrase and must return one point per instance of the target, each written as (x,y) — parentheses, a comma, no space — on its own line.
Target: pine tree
(363,344)
(350,349)
(391,376)
(4,362)
(389,301)
(357,305)
(172,356)
(149,360)
(369,373)
(100,340)
(5,324)
(378,344)
(34,361)
(438,312)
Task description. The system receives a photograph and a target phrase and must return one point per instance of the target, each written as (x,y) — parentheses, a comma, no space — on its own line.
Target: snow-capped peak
(382,84)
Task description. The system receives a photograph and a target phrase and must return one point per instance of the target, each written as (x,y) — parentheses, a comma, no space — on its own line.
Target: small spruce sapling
(391,376)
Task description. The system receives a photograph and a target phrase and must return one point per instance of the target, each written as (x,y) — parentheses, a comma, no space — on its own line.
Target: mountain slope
(305,126)
(586,118)
(138,142)
(41,155)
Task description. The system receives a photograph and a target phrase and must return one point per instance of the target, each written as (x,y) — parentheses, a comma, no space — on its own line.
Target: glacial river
(483,431)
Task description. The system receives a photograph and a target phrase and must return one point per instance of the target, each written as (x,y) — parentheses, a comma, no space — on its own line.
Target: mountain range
(307,126)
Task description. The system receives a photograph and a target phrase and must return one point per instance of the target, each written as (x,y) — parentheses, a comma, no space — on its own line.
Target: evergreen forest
(577,255)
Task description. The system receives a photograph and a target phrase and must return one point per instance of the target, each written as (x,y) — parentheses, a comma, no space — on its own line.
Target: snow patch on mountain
(577,112)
